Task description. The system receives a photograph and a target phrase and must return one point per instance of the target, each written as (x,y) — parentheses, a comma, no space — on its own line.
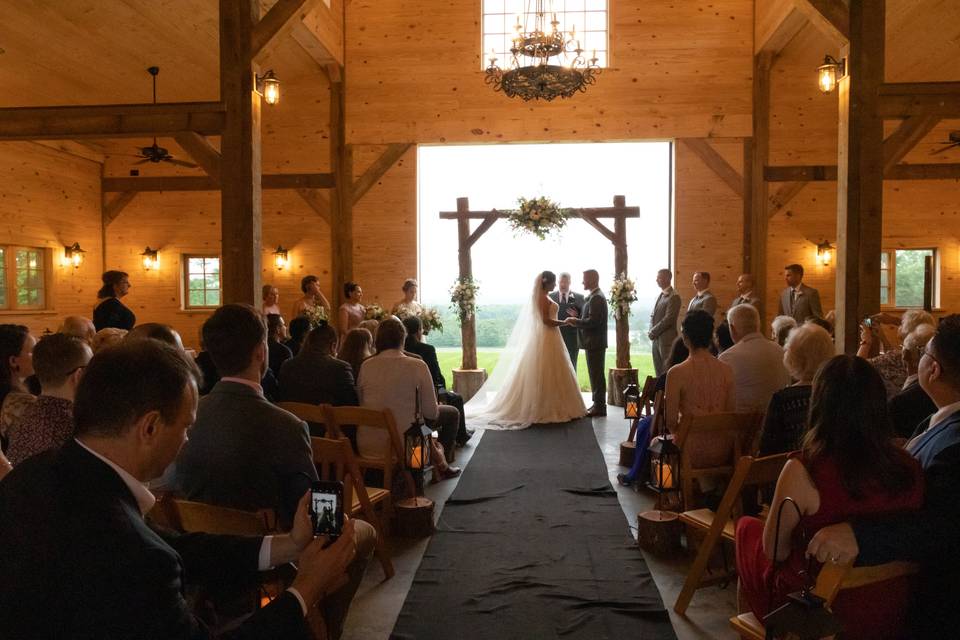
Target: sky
(573,175)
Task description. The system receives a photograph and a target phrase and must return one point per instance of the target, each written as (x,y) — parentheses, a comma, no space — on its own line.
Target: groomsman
(663,321)
(704,300)
(571,306)
(745,291)
(799,301)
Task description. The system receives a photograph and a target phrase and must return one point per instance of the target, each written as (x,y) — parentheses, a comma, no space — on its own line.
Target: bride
(534,381)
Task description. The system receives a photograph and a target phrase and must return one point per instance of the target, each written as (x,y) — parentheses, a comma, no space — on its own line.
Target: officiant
(571,306)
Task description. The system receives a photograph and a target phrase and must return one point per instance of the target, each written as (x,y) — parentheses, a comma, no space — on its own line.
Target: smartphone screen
(326,508)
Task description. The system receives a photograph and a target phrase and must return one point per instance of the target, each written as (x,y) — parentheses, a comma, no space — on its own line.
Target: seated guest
(408,306)
(356,347)
(912,405)
(428,353)
(16,365)
(825,324)
(757,363)
(848,467)
(156,331)
(271,300)
(890,362)
(79,559)
(298,329)
(780,328)
(243,451)
(277,351)
(79,327)
(111,312)
(315,376)
(351,311)
(393,380)
(724,339)
(785,423)
(312,298)
(59,361)
(108,337)
(371,326)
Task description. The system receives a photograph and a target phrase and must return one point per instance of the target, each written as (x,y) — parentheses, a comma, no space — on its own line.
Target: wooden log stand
(617,381)
(628,451)
(659,532)
(415,517)
(467,382)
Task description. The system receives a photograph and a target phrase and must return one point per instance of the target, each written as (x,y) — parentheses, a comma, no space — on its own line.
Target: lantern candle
(416,460)
(662,475)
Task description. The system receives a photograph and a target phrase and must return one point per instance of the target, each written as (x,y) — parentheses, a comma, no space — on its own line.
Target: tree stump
(467,382)
(659,532)
(628,450)
(617,381)
(415,517)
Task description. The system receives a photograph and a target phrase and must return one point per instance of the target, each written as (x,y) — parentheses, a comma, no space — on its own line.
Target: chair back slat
(387,458)
(330,458)
(317,414)
(208,518)
(647,395)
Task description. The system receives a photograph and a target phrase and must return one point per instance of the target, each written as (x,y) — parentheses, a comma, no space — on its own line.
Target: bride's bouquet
(622,294)
(539,216)
(463,296)
(430,319)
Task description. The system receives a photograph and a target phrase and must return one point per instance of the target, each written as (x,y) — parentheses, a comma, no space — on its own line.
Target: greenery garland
(539,216)
(463,297)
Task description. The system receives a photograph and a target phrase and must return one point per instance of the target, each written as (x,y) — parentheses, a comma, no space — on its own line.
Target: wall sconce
(268,86)
(151,259)
(829,73)
(72,255)
(825,253)
(281,258)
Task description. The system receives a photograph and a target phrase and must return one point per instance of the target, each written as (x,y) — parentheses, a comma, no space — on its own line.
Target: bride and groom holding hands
(535,380)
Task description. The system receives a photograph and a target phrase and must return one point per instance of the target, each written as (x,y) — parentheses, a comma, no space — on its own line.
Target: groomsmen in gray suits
(798,300)
(568,300)
(745,291)
(704,300)
(663,321)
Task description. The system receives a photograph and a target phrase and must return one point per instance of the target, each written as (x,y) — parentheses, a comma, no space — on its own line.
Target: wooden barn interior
(766,166)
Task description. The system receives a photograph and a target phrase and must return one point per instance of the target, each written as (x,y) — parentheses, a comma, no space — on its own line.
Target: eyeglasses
(926,352)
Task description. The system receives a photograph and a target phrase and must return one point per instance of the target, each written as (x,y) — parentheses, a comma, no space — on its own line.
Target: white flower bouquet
(463,296)
(374,312)
(623,292)
(539,216)
(430,319)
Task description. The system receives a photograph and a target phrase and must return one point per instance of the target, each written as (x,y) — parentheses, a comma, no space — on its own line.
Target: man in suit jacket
(593,339)
(243,452)
(315,376)
(663,321)
(798,300)
(930,536)
(568,300)
(703,300)
(745,293)
(79,561)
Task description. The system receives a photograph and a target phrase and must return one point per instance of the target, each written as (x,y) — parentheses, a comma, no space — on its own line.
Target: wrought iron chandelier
(537,78)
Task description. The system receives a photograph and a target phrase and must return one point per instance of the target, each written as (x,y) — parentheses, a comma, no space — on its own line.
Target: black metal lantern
(416,453)
(665,471)
(631,402)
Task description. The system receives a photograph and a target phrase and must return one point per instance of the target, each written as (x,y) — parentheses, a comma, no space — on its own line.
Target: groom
(593,339)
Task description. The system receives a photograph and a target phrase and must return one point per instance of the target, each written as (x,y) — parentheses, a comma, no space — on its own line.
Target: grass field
(487,359)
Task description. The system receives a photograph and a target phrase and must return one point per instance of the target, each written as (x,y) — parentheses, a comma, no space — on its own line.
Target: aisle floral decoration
(317,315)
(374,312)
(430,319)
(539,216)
(463,296)
(622,293)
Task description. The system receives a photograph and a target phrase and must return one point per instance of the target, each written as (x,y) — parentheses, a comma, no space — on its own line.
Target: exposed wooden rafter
(904,99)
(276,24)
(703,150)
(318,201)
(910,132)
(377,170)
(831,17)
(112,208)
(828,173)
(779,34)
(202,152)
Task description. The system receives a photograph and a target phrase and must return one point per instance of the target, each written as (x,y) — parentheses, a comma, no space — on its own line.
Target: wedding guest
(351,311)
(312,298)
(79,327)
(798,300)
(723,337)
(315,375)
(106,338)
(59,361)
(757,363)
(780,328)
(703,300)
(371,326)
(357,346)
(821,322)
(745,294)
(278,351)
(912,405)
(409,305)
(785,423)
(271,300)
(298,329)
(111,313)
(848,467)
(16,365)
(890,363)
(663,321)
(156,331)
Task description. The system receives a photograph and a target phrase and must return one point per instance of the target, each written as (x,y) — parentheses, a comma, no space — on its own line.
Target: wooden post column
(240,214)
(341,200)
(620,267)
(860,162)
(468,325)
(759,218)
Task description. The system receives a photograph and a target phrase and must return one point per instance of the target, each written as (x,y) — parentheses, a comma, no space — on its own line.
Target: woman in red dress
(848,467)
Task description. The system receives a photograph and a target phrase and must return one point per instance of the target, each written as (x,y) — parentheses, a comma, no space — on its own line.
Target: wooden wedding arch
(468,378)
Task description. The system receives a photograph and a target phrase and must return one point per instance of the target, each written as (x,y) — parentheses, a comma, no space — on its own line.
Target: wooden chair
(207,518)
(311,413)
(833,579)
(385,458)
(335,462)
(738,429)
(646,407)
(749,473)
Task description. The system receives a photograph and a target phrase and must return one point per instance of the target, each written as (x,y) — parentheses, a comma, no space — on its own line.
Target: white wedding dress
(533,381)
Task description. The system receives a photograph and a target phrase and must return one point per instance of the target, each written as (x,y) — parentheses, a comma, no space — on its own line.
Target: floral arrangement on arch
(539,216)
(463,296)
(623,293)
(374,312)
(430,319)
(317,315)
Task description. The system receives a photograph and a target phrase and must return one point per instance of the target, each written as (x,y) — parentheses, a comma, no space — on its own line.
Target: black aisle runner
(533,544)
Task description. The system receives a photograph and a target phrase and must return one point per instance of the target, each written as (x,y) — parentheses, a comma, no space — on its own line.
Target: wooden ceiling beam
(318,201)
(905,99)
(111,121)
(277,23)
(320,33)
(202,152)
(783,196)
(828,173)
(779,36)
(831,17)
(112,208)
(377,170)
(703,150)
(910,132)
(210,183)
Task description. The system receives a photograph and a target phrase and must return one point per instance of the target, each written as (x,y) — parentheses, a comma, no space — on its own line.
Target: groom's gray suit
(593,340)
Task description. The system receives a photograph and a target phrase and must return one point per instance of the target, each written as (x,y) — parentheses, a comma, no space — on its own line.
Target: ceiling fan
(155,153)
(954,142)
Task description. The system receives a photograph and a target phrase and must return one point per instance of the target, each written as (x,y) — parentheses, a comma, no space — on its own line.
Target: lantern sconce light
(72,255)
(281,258)
(825,253)
(830,72)
(268,86)
(151,259)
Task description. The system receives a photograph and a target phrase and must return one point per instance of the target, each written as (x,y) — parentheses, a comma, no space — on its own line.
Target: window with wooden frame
(903,277)
(201,281)
(24,273)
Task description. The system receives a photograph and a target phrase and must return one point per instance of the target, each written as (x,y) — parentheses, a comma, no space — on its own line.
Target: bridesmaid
(312,297)
(351,312)
(271,299)
(409,305)
(111,313)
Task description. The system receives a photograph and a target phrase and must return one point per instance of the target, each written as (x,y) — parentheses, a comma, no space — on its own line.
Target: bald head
(78,327)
